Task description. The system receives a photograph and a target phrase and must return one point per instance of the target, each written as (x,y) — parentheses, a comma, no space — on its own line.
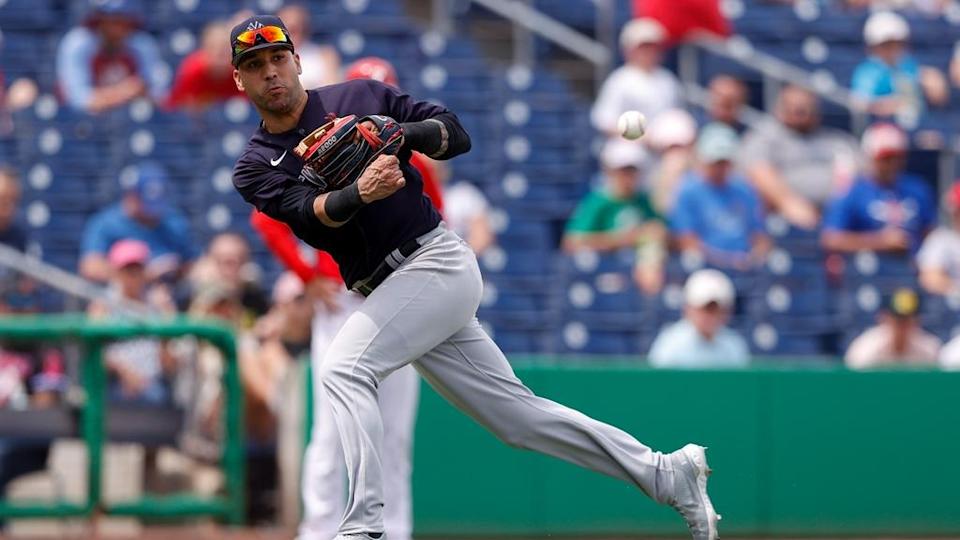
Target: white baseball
(632,125)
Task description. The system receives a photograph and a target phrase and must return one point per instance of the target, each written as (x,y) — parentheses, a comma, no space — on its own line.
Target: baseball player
(323,486)
(333,164)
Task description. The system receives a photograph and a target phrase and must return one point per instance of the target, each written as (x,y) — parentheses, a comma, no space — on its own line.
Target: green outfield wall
(795,451)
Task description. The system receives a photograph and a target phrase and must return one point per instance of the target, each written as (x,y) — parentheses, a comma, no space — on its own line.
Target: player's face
(271,79)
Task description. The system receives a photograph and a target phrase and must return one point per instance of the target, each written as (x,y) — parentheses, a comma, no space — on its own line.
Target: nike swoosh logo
(275,162)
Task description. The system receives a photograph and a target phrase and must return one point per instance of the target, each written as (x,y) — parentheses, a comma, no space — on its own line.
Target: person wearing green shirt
(619,215)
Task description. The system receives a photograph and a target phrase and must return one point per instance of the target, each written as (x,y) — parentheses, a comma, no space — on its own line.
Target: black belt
(393,260)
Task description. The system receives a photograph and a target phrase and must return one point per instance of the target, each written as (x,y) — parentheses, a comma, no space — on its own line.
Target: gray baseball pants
(425,313)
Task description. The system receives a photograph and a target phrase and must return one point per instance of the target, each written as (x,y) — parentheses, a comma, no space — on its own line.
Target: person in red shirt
(684,18)
(205,76)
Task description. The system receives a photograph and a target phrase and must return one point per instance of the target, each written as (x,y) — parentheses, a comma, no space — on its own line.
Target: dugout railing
(92,336)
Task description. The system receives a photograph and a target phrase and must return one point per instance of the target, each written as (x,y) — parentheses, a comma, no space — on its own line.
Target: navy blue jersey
(267,176)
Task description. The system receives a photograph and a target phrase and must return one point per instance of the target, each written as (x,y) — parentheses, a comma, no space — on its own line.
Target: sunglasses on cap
(248,38)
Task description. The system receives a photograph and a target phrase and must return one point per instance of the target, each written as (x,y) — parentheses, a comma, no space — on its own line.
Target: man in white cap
(891,81)
(641,84)
(886,209)
(618,214)
(670,136)
(701,338)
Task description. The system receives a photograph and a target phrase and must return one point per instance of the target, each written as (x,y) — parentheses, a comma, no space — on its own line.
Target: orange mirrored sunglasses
(270,34)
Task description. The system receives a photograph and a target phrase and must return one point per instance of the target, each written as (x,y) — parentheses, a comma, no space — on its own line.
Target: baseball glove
(336,153)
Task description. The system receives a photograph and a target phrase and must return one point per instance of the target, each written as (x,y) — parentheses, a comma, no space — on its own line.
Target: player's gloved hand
(338,152)
(380,179)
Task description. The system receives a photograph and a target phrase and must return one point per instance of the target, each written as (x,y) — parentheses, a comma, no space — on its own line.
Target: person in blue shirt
(144,214)
(890,80)
(109,61)
(885,210)
(702,339)
(717,213)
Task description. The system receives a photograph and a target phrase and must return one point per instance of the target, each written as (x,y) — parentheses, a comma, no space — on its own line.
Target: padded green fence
(795,451)
(92,335)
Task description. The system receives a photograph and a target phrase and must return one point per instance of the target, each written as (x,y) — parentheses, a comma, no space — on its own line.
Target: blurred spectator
(685,19)
(939,256)
(898,339)
(109,60)
(701,339)
(144,213)
(18,293)
(641,84)
(727,95)
(670,136)
(288,323)
(891,81)
(433,172)
(218,303)
(320,64)
(467,213)
(205,76)
(284,337)
(618,213)
(795,163)
(717,213)
(137,366)
(12,233)
(19,95)
(885,210)
(227,264)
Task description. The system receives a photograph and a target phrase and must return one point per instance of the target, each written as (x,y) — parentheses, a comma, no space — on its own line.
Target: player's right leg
(471,372)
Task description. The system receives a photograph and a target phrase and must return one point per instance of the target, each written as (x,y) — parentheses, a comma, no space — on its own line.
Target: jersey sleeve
(276,193)
(281,241)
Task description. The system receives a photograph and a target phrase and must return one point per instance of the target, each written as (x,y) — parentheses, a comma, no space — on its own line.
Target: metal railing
(93,335)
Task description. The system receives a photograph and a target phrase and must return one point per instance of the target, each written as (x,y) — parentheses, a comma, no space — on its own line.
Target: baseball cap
(903,302)
(707,286)
(372,67)
(258,32)
(641,31)
(620,154)
(673,127)
(884,140)
(149,183)
(885,26)
(717,142)
(126,252)
(287,288)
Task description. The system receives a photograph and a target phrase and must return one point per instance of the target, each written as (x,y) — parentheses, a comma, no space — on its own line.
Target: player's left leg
(471,372)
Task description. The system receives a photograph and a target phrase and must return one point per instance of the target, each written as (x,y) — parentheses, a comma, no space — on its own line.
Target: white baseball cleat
(690,492)
(362,536)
